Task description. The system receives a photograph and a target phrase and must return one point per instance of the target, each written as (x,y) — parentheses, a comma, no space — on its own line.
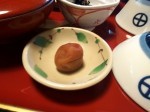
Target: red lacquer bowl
(18,17)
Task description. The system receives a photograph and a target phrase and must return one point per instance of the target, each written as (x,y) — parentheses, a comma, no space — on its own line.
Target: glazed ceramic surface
(87,17)
(8,8)
(38,58)
(138,21)
(131,62)
(16,21)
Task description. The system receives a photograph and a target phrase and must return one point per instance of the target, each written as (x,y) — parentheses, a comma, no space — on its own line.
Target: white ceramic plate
(131,67)
(38,58)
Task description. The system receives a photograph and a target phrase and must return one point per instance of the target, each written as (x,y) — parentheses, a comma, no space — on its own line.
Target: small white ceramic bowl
(137,21)
(38,58)
(87,17)
(131,68)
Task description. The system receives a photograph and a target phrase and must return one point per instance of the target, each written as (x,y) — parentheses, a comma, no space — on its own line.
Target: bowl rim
(60,86)
(115,3)
(28,13)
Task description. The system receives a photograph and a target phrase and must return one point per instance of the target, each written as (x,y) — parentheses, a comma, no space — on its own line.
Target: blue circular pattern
(147,39)
(143,83)
(145,2)
(140,19)
(145,43)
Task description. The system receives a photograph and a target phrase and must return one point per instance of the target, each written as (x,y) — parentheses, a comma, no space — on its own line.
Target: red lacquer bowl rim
(18,8)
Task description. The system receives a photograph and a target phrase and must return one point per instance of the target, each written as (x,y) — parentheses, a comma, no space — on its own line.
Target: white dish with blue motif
(134,17)
(131,68)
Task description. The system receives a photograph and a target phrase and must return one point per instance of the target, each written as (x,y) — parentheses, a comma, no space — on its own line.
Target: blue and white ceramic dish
(131,67)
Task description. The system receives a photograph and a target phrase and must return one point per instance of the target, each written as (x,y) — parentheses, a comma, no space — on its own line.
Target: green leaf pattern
(81,37)
(40,71)
(98,68)
(59,30)
(97,41)
(44,42)
(41,41)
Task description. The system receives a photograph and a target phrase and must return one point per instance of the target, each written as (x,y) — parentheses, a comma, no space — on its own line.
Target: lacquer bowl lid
(12,8)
